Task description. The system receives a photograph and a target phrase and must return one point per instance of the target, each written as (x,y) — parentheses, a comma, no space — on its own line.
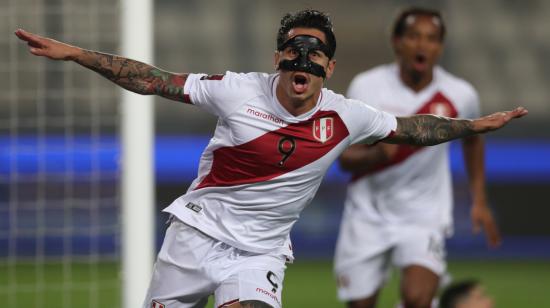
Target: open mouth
(300,82)
(420,61)
(420,58)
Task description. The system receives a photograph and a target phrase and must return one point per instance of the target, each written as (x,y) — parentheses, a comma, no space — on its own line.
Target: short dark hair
(400,25)
(455,292)
(307,19)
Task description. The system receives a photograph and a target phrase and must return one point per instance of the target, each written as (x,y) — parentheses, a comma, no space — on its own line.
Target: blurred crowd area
(500,46)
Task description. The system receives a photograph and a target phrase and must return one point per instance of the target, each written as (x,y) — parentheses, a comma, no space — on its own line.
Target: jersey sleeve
(367,124)
(472,103)
(364,88)
(354,89)
(216,94)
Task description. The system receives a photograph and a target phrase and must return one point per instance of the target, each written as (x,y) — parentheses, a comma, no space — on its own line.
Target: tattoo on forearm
(431,129)
(134,75)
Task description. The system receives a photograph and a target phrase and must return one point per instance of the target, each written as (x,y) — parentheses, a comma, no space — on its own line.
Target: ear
(276,58)
(330,68)
(441,50)
(396,44)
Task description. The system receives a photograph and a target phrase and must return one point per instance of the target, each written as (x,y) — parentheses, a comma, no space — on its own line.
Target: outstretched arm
(130,74)
(432,130)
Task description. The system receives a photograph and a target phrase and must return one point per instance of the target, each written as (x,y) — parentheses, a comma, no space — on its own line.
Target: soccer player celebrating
(276,136)
(398,208)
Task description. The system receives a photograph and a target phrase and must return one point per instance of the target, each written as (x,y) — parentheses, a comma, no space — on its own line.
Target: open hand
(41,46)
(497,120)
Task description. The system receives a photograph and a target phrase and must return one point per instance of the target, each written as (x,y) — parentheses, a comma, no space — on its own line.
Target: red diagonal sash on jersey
(439,105)
(276,152)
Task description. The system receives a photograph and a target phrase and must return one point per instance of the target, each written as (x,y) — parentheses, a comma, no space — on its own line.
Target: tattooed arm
(134,75)
(432,130)
(130,74)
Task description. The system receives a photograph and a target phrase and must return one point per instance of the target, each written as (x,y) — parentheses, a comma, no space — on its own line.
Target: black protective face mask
(304,45)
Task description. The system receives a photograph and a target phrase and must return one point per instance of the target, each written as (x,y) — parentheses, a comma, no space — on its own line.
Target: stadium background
(59,197)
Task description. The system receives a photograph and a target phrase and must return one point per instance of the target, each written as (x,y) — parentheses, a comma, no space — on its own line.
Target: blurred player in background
(398,209)
(276,136)
(465,294)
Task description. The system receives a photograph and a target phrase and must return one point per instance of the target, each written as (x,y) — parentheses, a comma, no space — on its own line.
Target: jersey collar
(282,112)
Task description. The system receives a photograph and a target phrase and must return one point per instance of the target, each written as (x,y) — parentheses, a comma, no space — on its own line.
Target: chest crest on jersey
(323,129)
(439,105)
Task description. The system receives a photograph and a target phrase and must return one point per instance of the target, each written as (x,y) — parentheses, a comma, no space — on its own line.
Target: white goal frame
(137,133)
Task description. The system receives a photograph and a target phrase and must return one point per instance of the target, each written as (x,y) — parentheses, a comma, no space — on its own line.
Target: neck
(296,106)
(416,81)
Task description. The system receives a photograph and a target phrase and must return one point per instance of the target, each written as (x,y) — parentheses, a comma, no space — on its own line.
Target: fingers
(484,220)
(25,36)
(20,33)
(33,40)
(37,51)
(519,112)
(492,234)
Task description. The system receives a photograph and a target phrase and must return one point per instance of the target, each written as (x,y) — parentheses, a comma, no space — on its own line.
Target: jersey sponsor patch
(213,77)
(193,207)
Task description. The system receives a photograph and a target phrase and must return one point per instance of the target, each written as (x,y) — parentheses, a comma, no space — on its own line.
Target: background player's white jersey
(415,186)
(264,165)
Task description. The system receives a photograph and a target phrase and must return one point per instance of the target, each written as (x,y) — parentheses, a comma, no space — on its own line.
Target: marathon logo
(265,116)
(194,207)
(271,295)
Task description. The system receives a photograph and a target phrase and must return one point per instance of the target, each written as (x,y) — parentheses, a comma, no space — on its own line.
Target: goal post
(73,148)
(137,131)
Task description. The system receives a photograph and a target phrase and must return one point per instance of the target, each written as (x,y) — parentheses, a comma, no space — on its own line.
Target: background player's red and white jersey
(264,165)
(415,186)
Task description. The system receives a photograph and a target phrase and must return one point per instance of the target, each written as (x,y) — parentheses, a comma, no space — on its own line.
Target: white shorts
(191,266)
(365,253)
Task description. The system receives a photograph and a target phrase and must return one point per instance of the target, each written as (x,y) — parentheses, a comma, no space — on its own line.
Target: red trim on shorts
(228,303)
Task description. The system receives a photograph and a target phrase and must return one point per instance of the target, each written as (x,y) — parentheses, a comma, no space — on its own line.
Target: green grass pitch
(307,284)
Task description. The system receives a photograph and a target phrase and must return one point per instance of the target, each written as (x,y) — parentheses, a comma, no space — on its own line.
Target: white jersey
(415,186)
(264,165)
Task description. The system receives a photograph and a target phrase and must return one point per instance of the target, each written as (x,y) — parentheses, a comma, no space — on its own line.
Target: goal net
(59,170)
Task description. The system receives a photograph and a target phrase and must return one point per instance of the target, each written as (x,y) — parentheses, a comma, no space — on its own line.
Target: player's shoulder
(376,74)
(250,78)
(247,84)
(367,84)
(454,83)
(340,103)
